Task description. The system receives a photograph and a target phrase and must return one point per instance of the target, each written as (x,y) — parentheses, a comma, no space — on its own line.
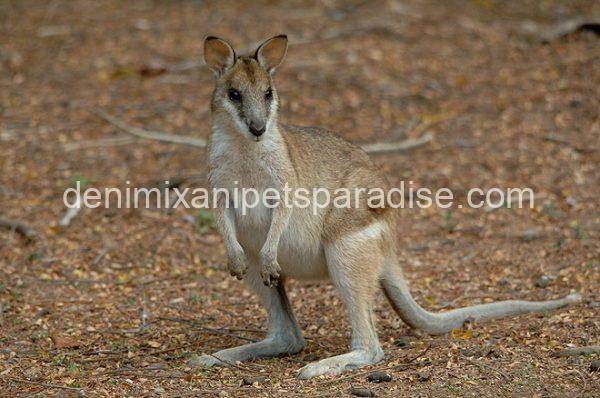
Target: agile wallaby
(353,247)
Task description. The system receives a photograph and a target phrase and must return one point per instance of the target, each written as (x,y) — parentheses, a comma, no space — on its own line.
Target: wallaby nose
(257,129)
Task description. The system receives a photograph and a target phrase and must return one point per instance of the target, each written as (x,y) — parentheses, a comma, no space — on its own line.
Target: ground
(113,304)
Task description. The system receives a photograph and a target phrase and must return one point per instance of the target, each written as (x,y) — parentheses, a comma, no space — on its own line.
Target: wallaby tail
(415,316)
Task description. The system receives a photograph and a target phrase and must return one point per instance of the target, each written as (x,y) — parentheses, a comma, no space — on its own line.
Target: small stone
(361,392)
(469,352)
(590,324)
(542,282)
(503,282)
(530,234)
(38,336)
(423,375)
(595,366)
(379,377)
(43,312)
(402,343)
(159,391)
(250,380)
(177,300)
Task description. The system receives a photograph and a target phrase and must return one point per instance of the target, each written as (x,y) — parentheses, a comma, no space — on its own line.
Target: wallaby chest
(246,172)
(250,169)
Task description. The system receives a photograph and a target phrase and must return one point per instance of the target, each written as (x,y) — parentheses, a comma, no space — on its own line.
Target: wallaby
(355,247)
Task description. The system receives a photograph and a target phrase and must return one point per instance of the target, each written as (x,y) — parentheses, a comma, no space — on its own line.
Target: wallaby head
(245,98)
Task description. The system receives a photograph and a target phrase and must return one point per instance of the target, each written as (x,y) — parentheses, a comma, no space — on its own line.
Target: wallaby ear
(218,54)
(271,52)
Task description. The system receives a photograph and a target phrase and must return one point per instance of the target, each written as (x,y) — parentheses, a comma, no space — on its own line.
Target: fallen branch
(70,214)
(100,256)
(547,34)
(201,143)
(123,355)
(380,147)
(153,135)
(37,383)
(195,325)
(576,351)
(18,226)
(564,141)
(484,367)
(101,143)
(389,28)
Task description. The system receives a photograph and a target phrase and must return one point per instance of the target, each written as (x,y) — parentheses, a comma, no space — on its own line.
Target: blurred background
(110,302)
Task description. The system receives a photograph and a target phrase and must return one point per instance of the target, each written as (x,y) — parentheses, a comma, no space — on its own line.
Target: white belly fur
(300,254)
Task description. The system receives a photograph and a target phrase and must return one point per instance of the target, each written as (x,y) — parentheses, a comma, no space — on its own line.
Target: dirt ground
(113,304)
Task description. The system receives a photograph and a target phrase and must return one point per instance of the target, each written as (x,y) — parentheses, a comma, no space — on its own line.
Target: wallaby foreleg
(284,336)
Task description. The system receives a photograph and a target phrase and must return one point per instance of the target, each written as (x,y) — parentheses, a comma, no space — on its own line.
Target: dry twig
(122,355)
(18,226)
(201,143)
(195,325)
(70,214)
(379,147)
(101,143)
(484,366)
(37,383)
(153,135)
(564,141)
(576,351)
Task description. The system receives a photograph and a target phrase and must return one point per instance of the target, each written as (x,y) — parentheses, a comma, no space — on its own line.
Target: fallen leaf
(61,342)
(154,344)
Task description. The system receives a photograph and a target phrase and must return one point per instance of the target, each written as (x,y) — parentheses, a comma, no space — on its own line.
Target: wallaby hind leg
(284,335)
(357,283)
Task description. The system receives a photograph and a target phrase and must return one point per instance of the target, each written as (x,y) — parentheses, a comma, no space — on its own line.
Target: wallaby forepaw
(269,271)
(271,280)
(237,265)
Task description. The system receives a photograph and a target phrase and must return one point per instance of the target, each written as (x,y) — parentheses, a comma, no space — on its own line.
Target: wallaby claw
(238,275)
(237,265)
(270,280)
(269,271)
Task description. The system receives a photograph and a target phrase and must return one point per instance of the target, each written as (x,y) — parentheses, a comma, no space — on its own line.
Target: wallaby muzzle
(256,128)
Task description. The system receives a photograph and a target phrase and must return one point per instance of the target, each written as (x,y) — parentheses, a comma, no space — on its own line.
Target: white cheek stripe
(272,115)
(234,114)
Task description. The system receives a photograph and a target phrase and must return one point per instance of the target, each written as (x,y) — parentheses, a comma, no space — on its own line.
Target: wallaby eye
(234,95)
(269,94)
